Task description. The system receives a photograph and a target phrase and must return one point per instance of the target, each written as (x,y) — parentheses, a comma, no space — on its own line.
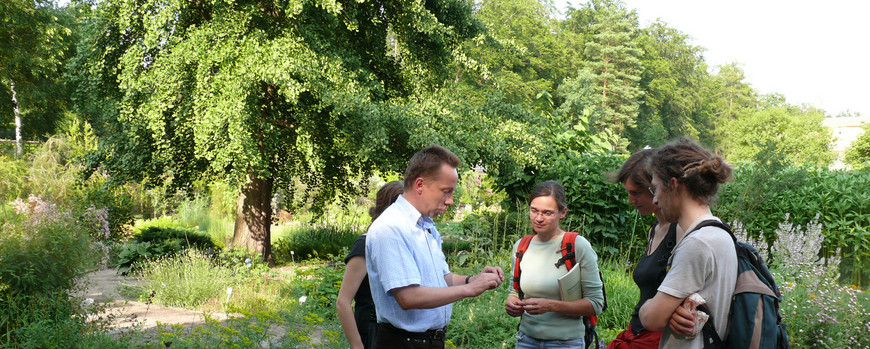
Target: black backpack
(754,320)
(569,259)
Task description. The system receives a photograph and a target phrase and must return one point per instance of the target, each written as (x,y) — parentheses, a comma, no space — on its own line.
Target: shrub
(157,238)
(817,310)
(761,198)
(313,242)
(622,295)
(118,206)
(44,252)
(163,229)
(596,209)
(13,183)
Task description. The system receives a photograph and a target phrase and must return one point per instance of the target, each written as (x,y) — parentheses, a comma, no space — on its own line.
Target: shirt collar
(413,216)
(701,219)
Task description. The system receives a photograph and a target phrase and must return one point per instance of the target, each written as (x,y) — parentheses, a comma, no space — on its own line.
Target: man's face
(665,200)
(438,191)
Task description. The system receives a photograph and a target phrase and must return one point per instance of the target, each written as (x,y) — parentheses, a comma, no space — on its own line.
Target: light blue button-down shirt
(403,248)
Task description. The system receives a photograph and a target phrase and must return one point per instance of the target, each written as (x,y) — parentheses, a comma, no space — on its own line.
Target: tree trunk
(17,119)
(254,218)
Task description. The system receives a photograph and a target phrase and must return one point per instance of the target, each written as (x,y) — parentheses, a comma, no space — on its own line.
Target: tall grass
(186,280)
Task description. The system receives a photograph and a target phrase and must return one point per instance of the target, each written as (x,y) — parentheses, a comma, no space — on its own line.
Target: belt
(436,334)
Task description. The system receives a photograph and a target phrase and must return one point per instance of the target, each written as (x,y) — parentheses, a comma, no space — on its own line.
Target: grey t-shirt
(705,262)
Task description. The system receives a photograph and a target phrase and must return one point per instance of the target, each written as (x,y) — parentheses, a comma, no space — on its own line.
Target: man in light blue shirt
(411,284)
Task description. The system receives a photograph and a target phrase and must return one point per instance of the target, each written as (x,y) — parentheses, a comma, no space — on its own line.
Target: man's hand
(494,270)
(513,306)
(482,282)
(682,321)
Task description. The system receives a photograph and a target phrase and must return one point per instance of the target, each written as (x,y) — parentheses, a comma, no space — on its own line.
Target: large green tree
(673,80)
(858,153)
(263,93)
(35,37)
(613,55)
(782,134)
(533,53)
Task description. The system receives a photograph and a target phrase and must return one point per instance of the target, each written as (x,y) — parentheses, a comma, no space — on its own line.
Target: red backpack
(569,259)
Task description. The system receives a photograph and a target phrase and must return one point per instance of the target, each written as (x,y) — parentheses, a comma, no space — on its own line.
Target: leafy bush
(114,200)
(762,197)
(44,252)
(817,310)
(486,231)
(157,238)
(313,242)
(163,229)
(622,295)
(596,209)
(12,178)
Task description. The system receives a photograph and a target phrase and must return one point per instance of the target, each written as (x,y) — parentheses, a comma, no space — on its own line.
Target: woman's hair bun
(713,167)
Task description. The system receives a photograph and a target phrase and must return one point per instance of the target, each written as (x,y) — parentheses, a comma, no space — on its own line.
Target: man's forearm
(421,297)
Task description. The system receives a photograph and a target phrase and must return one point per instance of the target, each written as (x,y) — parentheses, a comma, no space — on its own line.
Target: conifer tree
(613,56)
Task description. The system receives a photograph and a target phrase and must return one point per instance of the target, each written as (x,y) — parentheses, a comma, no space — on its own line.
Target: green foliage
(796,136)
(44,252)
(675,96)
(858,154)
(613,56)
(531,52)
(186,279)
(622,295)
(466,240)
(304,243)
(158,238)
(760,198)
(476,191)
(51,173)
(36,37)
(117,203)
(13,181)
(481,322)
(163,229)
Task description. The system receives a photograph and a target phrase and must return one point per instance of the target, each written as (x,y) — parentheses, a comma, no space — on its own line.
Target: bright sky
(815,52)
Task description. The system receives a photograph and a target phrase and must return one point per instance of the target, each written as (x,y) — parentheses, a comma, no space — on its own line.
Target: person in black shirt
(361,325)
(652,267)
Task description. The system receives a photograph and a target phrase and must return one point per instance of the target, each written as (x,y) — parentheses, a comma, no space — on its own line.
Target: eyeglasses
(547,214)
(652,190)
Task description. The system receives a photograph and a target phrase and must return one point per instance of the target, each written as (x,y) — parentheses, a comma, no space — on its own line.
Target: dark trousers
(368,332)
(390,337)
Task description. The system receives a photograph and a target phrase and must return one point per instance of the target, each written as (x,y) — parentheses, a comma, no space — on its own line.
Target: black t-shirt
(650,272)
(364,307)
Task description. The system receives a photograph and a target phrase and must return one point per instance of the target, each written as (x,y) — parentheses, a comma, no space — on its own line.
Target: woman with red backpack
(549,321)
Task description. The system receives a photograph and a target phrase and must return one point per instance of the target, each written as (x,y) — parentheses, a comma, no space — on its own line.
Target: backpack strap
(710,336)
(569,258)
(707,223)
(521,249)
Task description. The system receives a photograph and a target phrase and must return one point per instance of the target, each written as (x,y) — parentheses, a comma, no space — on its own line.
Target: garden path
(121,314)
